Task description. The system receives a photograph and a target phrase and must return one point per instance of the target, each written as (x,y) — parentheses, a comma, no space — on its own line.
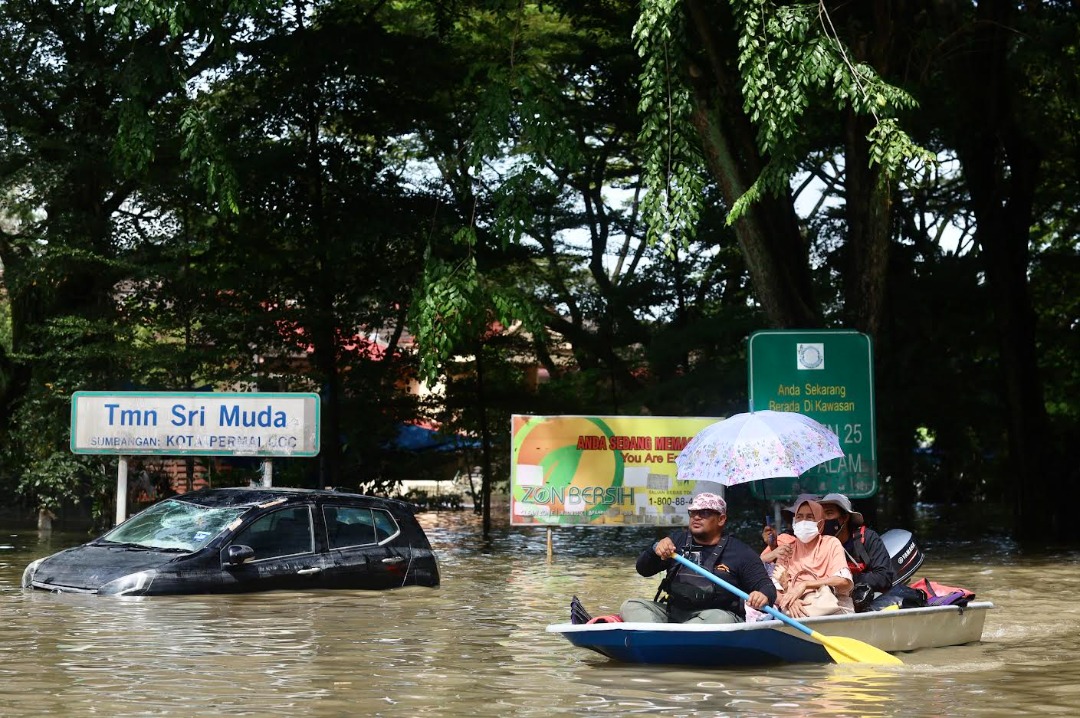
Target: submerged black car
(237,540)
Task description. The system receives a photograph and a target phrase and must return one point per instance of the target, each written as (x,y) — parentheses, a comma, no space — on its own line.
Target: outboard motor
(905,554)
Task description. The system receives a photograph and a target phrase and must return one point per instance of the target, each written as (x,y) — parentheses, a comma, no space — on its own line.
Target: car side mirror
(238,555)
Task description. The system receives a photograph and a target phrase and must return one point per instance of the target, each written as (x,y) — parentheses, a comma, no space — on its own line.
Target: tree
(1013,51)
(754,72)
(763,78)
(96,102)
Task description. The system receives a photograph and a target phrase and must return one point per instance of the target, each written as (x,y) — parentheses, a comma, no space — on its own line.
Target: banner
(600,470)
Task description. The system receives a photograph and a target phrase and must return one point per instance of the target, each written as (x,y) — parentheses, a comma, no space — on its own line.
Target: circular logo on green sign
(810,356)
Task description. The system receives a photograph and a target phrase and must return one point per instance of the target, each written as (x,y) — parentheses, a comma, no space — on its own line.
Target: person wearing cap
(690,597)
(866,554)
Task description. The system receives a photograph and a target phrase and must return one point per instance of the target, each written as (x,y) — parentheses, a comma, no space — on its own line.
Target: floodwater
(476,646)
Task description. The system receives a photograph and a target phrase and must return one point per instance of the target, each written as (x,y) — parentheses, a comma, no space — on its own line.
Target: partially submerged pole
(121,490)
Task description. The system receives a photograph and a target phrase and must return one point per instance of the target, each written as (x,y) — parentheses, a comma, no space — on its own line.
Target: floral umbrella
(757,445)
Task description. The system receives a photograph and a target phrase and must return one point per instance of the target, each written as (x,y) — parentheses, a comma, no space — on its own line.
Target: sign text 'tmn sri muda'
(248,424)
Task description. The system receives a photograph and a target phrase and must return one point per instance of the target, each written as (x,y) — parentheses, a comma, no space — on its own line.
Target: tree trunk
(868,209)
(485,439)
(326,357)
(775,251)
(1004,220)
(1001,166)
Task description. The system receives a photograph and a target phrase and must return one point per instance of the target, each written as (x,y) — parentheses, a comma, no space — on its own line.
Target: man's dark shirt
(879,572)
(741,567)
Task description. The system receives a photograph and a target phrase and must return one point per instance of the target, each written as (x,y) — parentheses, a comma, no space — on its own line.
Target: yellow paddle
(842,649)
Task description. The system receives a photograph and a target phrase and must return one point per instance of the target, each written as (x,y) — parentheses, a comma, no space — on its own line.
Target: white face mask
(805,530)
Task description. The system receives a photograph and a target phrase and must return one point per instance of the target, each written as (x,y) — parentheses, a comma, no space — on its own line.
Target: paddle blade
(848,650)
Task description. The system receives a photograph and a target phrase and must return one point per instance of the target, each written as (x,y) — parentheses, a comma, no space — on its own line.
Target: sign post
(827,375)
(193,423)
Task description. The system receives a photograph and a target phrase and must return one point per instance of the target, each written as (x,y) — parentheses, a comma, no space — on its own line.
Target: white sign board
(194,423)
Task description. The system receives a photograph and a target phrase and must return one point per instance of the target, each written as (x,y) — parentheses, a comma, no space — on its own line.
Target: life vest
(613,618)
(938,594)
(690,591)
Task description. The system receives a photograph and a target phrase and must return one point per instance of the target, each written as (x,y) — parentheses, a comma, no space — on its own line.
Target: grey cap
(845,503)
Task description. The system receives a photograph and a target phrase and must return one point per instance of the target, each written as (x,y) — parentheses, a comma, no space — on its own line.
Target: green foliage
(156,74)
(208,165)
(454,307)
(54,480)
(790,60)
(1056,286)
(433,501)
(894,150)
(513,206)
(791,57)
(175,17)
(524,145)
(673,170)
(231,193)
(49,475)
(135,15)
(134,148)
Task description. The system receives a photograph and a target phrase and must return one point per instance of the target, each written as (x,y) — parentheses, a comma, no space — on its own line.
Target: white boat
(772,641)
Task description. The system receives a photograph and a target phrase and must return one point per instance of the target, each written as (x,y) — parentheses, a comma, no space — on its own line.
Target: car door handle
(393,559)
(308,571)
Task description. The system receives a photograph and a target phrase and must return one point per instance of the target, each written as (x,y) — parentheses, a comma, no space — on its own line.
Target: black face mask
(832,527)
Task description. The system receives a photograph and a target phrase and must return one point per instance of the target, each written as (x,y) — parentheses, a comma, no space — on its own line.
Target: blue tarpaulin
(411,437)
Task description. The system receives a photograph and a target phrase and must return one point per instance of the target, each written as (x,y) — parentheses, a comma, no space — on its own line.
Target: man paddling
(690,596)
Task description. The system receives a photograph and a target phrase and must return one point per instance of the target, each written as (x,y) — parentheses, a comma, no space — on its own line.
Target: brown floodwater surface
(476,646)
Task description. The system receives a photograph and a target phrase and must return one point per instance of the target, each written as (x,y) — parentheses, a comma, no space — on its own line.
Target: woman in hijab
(814,578)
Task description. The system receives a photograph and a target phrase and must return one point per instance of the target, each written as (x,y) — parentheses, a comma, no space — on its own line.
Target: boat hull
(765,642)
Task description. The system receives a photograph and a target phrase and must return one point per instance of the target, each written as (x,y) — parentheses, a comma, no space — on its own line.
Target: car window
(285,532)
(174,525)
(385,526)
(348,526)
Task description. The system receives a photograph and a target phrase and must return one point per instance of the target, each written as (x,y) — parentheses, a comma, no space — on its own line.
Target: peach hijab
(820,557)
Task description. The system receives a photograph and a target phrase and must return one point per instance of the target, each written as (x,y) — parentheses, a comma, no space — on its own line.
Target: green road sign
(828,376)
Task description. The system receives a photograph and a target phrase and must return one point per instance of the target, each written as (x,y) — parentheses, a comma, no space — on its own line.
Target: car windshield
(175,525)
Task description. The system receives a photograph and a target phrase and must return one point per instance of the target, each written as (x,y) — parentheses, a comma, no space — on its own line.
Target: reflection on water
(476,646)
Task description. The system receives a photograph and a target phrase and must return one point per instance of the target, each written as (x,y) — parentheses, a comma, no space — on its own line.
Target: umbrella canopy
(757,445)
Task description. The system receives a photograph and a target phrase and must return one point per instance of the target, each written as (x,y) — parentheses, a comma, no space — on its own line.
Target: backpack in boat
(899,597)
(862,596)
(938,594)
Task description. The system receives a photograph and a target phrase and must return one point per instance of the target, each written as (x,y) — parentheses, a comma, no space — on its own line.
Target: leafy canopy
(790,57)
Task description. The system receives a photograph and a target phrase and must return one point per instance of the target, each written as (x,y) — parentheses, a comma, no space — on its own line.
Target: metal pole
(121,490)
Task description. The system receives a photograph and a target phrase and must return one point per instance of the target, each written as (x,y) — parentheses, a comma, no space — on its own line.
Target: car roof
(256,496)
